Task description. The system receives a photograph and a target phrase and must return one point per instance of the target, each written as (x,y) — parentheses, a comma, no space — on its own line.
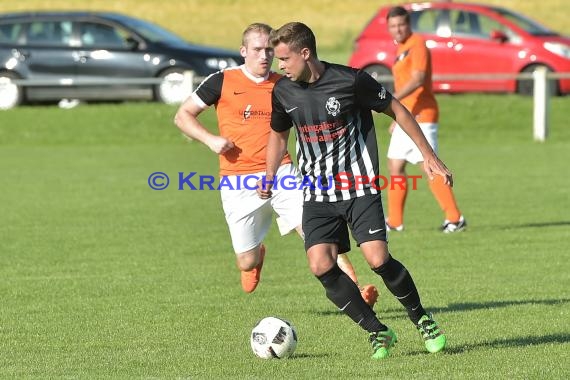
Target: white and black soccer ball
(273,338)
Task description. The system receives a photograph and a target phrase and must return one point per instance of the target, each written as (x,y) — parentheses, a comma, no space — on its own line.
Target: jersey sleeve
(371,94)
(419,56)
(210,90)
(280,120)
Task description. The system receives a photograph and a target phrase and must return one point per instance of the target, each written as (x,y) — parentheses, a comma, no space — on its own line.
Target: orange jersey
(243,107)
(413,55)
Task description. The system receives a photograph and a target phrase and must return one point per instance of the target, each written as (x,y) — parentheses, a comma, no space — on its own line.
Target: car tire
(11,94)
(174,87)
(526,86)
(376,71)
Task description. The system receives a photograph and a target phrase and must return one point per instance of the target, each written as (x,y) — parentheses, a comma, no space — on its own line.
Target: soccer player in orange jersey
(413,87)
(242,97)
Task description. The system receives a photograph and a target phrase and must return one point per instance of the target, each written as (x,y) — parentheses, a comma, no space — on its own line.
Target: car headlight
(220,63)
(558,49)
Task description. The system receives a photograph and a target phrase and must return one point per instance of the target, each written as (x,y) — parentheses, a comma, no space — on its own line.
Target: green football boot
(434,338)
(382,342)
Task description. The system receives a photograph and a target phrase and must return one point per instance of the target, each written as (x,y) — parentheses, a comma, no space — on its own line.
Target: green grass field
(102,277)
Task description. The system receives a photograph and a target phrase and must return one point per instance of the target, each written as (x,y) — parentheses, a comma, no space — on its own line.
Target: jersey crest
(333,106)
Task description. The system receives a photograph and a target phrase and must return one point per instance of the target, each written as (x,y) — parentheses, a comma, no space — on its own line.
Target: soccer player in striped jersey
(330,106)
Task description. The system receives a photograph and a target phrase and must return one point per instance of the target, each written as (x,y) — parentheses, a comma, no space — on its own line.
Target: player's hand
(220,144)
(392,126)
(264,189)
(434,166)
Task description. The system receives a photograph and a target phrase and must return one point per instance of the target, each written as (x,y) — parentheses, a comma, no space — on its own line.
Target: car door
(48,57)
(106,56)
(471,51)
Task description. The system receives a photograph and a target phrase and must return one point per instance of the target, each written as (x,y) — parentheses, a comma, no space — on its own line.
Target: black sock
(399,281)
(344,293)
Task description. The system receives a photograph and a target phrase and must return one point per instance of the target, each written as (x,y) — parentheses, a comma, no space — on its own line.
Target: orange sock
(397,193)
(444,195)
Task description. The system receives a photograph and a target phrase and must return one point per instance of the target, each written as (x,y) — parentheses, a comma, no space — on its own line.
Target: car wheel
(377,71)
(11,94)
(174,87)
(526,86)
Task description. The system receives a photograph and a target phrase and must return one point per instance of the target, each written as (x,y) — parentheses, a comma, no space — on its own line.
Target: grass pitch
(102,277)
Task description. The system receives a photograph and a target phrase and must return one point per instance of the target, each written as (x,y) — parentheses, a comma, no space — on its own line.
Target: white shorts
(403,148)
(249,217)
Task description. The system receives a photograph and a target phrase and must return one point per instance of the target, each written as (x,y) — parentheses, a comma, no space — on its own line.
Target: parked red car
(466,38)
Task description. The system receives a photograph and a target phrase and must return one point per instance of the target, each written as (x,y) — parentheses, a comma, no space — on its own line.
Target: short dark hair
(295,34)
(398,12)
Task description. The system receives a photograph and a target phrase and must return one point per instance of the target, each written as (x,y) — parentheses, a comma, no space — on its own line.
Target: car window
(463,22)
(525,23)
(49,33)
(425,21)
(472,24)
(152,32)
(101,35)
(10,32)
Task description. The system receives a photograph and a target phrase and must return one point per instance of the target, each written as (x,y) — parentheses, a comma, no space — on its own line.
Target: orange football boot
(369,294)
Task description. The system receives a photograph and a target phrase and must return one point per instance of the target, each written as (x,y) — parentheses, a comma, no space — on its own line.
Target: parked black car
(97,56)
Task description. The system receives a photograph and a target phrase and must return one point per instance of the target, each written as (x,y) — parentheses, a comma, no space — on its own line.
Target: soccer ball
(273,338)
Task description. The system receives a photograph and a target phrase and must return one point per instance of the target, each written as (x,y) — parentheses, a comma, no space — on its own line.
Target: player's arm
(186,118)
(432,164)
(276,149)
(419,55)
(416,81)
(371,95)
(276,145)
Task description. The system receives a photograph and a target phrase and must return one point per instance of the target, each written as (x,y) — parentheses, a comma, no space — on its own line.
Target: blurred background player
(242,97)
(413,87)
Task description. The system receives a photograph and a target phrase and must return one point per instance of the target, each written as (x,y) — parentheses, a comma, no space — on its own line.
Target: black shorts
(328,222)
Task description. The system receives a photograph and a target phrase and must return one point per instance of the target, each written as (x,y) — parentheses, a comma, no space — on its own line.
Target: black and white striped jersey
(337,149)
